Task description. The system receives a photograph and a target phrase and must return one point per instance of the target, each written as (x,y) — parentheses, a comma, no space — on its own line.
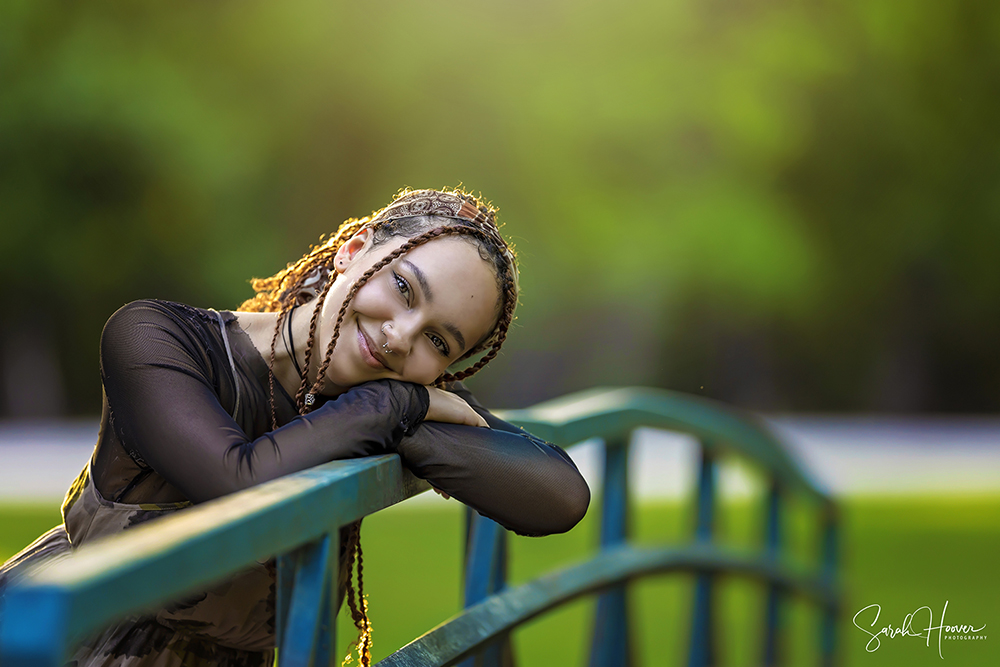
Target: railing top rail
(155,563)
(61,602)
(612,413)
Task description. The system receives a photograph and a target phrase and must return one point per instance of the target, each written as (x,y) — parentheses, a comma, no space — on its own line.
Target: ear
(351,249)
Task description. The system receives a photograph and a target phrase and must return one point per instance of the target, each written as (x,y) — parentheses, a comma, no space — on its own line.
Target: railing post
(486,574)
(828,565)
(772,547)
(611,646)
(36,638)
(702,653)
(306,620)
(285,572)
(326,640)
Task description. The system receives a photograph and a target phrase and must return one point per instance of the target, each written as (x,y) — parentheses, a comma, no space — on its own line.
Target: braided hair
(420,216)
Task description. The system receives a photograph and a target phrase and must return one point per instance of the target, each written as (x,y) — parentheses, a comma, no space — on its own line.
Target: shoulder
(153,328)
(158,312)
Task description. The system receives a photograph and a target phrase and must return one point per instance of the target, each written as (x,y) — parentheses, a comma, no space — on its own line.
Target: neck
(260,328)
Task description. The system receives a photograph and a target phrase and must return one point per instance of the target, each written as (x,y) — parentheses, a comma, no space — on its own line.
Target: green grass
(900,553)
(20,524)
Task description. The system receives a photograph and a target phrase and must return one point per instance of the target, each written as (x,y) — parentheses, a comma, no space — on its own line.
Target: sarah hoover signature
(961,631)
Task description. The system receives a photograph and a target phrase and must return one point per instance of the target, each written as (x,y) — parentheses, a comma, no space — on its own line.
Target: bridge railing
(297,519)
(493,610)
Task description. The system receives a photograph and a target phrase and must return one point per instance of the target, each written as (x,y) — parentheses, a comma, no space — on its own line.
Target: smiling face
(428,306)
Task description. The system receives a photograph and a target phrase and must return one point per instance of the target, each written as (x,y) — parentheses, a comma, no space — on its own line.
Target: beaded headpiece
(455,205)
(449,205)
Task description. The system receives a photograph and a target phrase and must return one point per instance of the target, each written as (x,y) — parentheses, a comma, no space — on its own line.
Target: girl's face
(429,306)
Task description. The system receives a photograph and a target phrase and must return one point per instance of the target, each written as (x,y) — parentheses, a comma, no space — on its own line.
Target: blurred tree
(781,204)
(900,184)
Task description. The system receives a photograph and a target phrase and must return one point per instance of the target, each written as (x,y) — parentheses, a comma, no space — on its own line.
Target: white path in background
(848,455)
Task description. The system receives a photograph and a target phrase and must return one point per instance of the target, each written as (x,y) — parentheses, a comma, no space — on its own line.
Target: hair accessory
(449,205)
(425,202)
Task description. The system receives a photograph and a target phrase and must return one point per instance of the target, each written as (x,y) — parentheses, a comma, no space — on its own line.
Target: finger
(474,419)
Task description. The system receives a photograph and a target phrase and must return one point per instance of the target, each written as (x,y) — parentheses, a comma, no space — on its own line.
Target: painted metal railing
(297,518)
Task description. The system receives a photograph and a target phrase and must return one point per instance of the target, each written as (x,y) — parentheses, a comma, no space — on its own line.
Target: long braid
(300,395)
(283,291)
(359,608)
(270,368)
(503,325)
(360,282)
(366,630)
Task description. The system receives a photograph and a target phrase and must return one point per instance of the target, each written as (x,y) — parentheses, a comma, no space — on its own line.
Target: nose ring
(385,345)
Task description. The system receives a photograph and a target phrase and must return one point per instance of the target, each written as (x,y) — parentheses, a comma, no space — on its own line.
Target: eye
(402,286)
(439,344)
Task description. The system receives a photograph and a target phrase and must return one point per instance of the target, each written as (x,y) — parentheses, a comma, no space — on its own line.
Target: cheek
(424,368)
(373,297)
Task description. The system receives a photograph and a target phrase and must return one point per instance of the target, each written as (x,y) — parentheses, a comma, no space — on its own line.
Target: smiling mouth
(368,353)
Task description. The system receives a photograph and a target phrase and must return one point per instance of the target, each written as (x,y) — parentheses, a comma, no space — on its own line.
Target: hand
(449,408)
(440,492)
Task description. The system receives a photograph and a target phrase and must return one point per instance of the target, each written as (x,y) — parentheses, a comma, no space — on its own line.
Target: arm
(158,379)
(503,472)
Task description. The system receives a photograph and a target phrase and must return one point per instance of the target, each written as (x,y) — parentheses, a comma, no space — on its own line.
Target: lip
(368,353)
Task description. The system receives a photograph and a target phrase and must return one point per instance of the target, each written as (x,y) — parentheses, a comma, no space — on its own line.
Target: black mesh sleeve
(158,385)
(503,472)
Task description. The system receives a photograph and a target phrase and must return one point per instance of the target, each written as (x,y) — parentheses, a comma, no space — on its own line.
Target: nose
(396,339)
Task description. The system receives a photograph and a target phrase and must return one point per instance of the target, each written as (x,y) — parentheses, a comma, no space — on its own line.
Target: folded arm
(159,384)
(523,483)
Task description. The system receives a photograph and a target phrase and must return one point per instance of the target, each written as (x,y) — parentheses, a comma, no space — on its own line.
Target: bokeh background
(785,205)
(790,206)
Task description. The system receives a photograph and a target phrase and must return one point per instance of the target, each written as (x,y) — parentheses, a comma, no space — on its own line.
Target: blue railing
(297,518)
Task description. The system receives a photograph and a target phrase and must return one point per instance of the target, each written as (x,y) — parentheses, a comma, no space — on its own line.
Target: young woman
(345,353)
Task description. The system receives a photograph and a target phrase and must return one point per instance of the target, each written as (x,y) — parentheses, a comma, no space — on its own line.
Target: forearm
(521,482)
(210,456)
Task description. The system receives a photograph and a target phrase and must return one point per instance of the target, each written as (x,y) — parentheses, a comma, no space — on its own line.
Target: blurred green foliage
(786,205)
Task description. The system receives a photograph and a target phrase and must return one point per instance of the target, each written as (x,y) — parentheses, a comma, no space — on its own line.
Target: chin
(339,381)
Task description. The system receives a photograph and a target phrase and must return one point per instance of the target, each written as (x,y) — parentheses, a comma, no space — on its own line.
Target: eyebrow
(426,289)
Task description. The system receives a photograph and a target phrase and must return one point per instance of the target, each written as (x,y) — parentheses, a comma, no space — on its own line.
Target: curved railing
(297,518)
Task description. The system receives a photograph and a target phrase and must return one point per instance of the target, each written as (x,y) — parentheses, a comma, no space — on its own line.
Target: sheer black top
(172,430)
